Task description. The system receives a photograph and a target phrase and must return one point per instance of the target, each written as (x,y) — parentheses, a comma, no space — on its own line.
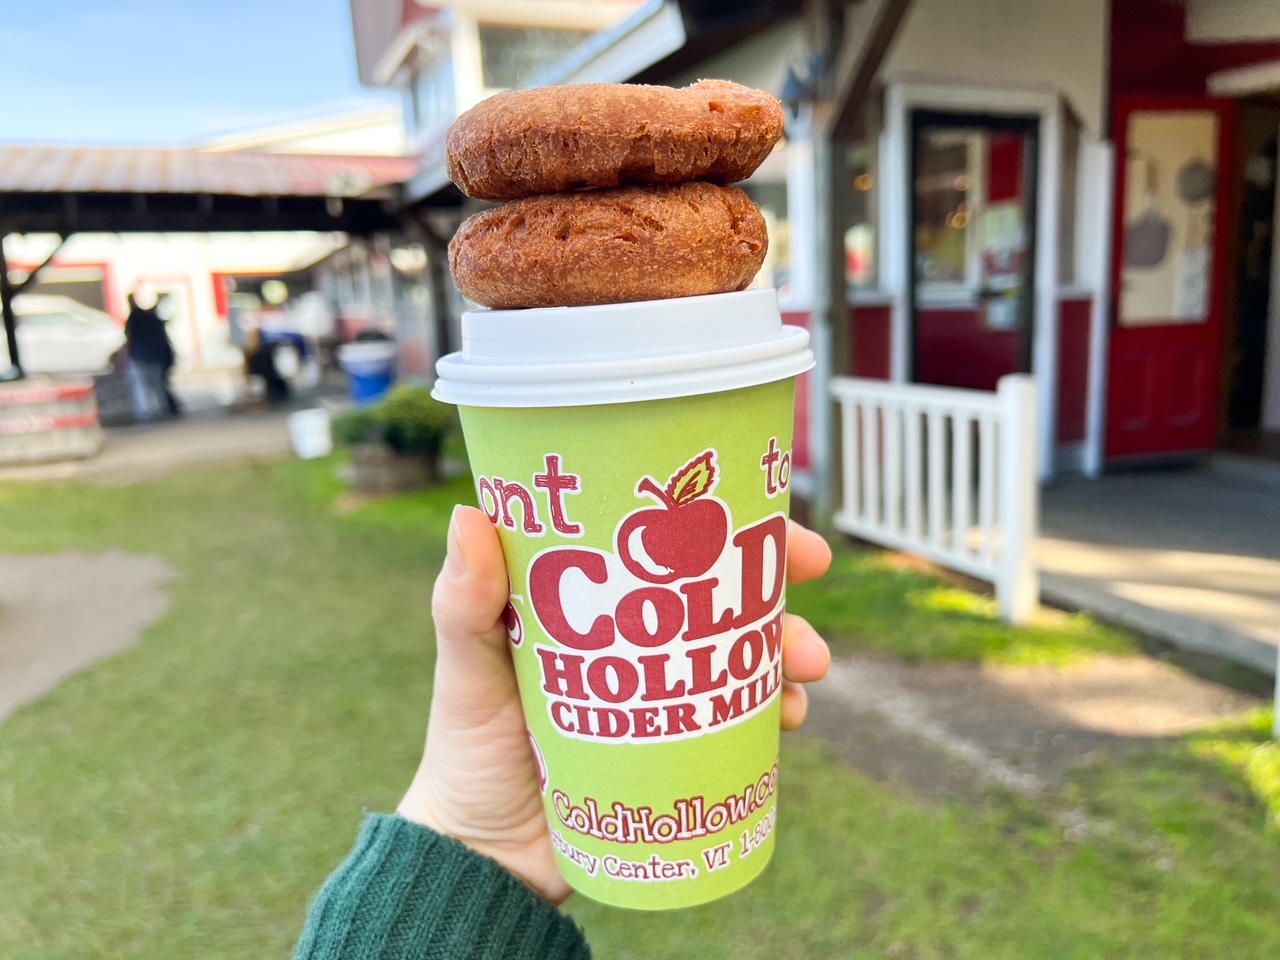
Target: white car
(60,335)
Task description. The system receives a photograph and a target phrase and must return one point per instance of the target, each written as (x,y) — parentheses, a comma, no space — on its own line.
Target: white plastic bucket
(367,358)
(621,353)
(310,434)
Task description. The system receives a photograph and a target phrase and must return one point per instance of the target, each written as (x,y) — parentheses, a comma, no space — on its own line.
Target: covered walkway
(1189,556)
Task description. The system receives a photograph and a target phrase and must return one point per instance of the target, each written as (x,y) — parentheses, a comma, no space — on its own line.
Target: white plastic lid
(622,352)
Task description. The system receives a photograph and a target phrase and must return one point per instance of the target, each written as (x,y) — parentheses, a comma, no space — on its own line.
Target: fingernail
(455,560)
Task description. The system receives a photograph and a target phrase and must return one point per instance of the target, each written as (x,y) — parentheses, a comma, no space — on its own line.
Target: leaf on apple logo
(692,480)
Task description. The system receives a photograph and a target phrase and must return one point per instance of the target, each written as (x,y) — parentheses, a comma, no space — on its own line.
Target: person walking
(151,357)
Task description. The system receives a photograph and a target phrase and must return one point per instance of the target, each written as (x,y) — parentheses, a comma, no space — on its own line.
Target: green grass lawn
(873,602)
(184,799)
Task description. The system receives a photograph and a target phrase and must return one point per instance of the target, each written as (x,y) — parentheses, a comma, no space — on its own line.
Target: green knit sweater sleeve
(408,893)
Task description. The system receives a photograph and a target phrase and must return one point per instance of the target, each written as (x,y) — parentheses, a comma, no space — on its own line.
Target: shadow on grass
(871,603)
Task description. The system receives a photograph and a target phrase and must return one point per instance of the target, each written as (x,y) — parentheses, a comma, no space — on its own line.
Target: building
(200,276)
(1084,191)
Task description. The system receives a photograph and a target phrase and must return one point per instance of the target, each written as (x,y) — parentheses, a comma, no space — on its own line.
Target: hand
(477,781)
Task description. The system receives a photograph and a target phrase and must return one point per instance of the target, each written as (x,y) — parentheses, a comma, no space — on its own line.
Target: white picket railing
(947,474)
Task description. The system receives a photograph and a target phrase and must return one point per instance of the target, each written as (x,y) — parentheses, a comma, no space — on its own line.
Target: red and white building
(1082,190)
(199,276)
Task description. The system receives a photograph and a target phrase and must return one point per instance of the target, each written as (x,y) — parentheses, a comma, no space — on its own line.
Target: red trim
(955,348)
(1150,52)
(1075,320)
(29,395)
(871,339)
(12,426)
(221,296)
(109,287)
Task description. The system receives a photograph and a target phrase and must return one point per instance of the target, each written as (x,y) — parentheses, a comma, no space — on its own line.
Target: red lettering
(642,722)
(544,589)
(667,608)
(626,680)
(680,719)
(766,464)
(557,484)
(702,682)
(784,471)
(562,670)
(702,622)
(739,807)
(508,491)
(564,725)
(496,511)
(751,541)
(726,708)
(611,722)
(752,641)
(655,679)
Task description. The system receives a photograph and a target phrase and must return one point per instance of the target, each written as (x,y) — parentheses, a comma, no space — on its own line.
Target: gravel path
(954,730)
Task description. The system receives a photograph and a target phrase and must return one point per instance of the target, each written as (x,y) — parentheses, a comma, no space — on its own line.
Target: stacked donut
(612,193)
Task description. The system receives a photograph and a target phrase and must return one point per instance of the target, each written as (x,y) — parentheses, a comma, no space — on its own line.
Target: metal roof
(82,170)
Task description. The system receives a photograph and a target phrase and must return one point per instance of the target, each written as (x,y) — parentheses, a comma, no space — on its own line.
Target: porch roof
(67,189)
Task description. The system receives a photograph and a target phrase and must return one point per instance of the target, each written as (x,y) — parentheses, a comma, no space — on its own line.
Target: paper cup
(636,461)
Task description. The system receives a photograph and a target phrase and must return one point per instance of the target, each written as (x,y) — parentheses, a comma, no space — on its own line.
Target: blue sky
(171,71)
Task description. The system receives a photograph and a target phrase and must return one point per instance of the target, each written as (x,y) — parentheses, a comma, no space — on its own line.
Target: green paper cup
(636,461)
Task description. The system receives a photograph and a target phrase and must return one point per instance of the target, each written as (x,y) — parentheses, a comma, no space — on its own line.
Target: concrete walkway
(952,730)
(148,451)
(1189,556)
(61,614)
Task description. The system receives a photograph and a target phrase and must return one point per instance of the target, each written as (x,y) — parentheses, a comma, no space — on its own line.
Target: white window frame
(901,98)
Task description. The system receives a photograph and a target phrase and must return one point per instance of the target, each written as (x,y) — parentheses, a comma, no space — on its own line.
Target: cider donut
(610,246)
(551,139)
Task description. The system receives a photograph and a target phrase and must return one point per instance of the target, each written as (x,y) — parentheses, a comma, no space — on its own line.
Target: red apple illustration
(685,535)
(514,623)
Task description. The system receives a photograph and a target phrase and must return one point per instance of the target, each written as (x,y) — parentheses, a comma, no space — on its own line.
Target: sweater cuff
(407,892)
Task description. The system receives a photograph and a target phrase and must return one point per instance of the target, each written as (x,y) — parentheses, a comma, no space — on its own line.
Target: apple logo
(514,623)
(684,536)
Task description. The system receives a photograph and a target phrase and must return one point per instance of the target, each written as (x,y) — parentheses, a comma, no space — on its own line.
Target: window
(432,100)
(513,57)
(947,182)
(972,205)
(771,197)
(863,214)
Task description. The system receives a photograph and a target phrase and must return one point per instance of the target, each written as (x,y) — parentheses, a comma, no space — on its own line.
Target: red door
(1172,214)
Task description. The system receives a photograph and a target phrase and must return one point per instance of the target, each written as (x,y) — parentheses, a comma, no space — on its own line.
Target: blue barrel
(370,369)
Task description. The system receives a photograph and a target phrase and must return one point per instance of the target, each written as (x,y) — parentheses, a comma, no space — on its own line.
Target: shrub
(358,426)
(408,420)
(412,422)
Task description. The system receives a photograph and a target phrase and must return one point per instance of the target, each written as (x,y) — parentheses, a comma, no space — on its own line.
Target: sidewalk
(147,451)
(1187,556)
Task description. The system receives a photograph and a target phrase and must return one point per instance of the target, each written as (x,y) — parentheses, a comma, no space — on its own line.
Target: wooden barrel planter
(42,420)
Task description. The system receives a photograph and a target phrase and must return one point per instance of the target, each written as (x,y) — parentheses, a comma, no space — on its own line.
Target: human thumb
(467,603)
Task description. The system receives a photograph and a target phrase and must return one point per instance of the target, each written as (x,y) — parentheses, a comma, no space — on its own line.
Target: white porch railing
(949,475)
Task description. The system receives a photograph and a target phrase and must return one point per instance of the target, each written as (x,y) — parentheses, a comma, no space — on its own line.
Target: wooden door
(1173,212)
